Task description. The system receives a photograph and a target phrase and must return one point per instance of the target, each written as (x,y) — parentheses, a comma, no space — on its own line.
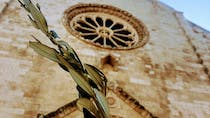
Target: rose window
(105,26)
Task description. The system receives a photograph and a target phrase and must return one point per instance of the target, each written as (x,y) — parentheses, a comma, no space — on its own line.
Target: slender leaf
(37,15)
(87,104)
(102,103)
(44,50)
(97,76)
(78,78)
(70,51)
(70,55)
(98,79)
(33,22)
(103,77)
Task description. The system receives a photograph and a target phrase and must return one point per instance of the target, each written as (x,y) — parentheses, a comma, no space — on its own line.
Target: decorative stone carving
(105,26)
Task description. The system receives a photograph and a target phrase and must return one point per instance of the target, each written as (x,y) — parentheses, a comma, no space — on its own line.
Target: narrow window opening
(109,62)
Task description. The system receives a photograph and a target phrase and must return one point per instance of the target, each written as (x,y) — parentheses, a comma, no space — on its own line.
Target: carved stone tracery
(105,26)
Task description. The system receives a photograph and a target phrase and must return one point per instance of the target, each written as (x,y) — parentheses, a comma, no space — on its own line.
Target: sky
(197,11)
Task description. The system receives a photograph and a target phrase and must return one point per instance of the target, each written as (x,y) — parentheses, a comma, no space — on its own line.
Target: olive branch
(91,82)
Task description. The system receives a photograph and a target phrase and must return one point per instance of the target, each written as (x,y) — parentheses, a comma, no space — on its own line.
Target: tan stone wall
(166,75)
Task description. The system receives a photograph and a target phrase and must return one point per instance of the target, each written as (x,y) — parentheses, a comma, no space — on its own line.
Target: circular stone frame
(105,26)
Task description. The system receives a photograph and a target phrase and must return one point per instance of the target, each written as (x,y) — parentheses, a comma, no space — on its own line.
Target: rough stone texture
(169,76)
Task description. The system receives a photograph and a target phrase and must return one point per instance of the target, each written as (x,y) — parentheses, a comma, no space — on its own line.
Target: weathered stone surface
(169,76)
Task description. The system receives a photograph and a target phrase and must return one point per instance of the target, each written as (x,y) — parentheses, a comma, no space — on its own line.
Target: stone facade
(168,77)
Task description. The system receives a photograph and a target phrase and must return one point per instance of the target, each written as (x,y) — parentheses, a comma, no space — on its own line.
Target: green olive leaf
(78,78)
(87,104)
(37,19)
(102,103)
(97,76)
(70,54)
(33,22)
(44,50)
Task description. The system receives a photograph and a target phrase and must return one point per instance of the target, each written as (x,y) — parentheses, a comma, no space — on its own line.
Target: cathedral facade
(157,62)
